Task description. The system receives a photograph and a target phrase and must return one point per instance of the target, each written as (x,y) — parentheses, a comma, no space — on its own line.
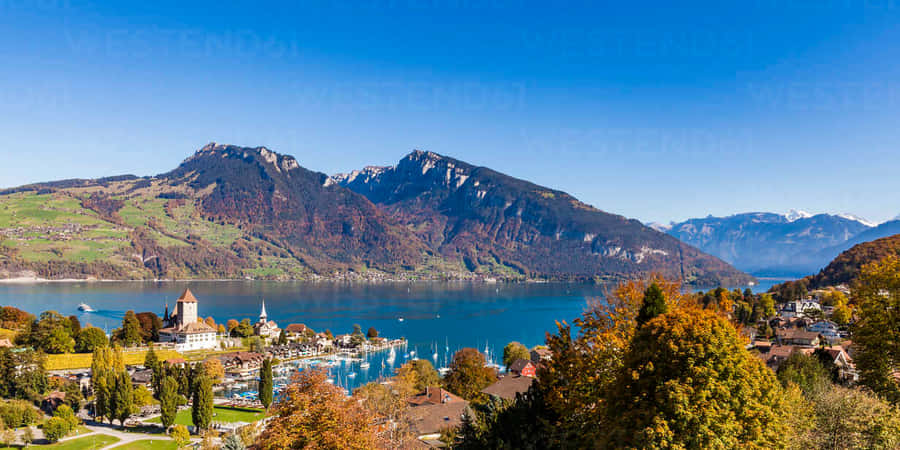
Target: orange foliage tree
(313,414)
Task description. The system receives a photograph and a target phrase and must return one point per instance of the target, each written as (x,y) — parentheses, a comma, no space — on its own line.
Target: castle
(184,328)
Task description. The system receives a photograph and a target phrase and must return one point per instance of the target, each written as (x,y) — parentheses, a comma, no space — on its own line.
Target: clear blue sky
(649,110)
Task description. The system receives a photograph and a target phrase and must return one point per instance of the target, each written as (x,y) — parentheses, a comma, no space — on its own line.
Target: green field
(94,441)
(220,414)
(148,444)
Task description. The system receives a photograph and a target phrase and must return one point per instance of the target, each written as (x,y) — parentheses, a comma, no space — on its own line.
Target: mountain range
(769,244)
(240,212)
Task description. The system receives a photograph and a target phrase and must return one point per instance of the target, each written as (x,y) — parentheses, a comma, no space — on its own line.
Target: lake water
(436,316)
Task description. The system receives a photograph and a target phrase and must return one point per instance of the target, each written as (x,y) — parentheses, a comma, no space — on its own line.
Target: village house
(539,355)
(264,327)
(184,329)
(434,410)
(296,331)
(239,362)
(794,336)
(800,308)
(828,329)
(523,367)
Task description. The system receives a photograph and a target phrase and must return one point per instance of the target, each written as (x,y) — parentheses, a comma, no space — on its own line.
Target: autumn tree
(876,335)
(313,414)
(688,382)
(372,333)
(852,418)
(101,383)
(468,374)
(417,375)
(214,369)
(514,351)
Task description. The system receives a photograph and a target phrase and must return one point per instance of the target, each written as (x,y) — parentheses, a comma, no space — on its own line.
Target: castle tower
(187,309)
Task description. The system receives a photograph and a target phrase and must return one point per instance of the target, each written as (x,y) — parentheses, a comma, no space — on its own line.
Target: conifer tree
(654,304)
(100,369)
(265,383)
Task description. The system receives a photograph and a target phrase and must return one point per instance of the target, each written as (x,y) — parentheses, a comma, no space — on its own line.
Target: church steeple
(166,315)
(262,314)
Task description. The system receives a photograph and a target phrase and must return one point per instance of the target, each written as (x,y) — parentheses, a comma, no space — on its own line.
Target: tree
(151,361)
(65,412)
(282,337)
(417,375)
(688,382)
(513,352)
(130,333)
(876,335)
(468,375)
(389,405)
(767,304)
(122,397)
(805,371)
(27,436)
(90,338)
(243,329)
(842,315)
(654,304)
(232,324)
(214,369)
(100,382)
(372,333)
(56,429)
(168,401)
(265,383)
(202,407)
(59,341)
(255,344)
(232,442)
(211,322)
(315,414)
(181,436)
(8,437)
(150,325)
(221,329)
(852,418)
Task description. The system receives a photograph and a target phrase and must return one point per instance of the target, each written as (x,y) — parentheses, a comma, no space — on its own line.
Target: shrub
(56,428)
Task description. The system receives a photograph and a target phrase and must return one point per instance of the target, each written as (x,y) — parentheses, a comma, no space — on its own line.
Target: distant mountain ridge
(792,244)
(488,218)
(240,212)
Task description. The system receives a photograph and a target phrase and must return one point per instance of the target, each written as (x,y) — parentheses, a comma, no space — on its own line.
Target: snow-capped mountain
(772,244)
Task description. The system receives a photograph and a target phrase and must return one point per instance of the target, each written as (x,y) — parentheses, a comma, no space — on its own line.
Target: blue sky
(646,109)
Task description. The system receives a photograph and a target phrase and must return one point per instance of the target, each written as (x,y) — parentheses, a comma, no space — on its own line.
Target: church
(266,328)
(183,327)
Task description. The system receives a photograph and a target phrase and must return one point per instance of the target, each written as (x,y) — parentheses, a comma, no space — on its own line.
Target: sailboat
(392,356)
(435,355)
(365,364)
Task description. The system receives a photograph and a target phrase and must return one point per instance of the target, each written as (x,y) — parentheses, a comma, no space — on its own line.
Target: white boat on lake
(84,307)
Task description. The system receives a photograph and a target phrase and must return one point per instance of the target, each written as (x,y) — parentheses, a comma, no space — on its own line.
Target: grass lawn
(91,442)
(220,414)
(148,444)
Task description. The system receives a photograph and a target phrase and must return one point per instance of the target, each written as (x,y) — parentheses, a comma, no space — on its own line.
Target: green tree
(56,429)
(90,338)
(876,335)
(52,332)
(282,337)
(265,383)
(122,397)
(688,382)
(853,418)
(59,341)
(100,382)
(514,351)
(202,407)
(27,436)
(841,315)
(65,412)
(168,401)
(151,360)
(468,375)
(653,305)
(805,371)
(130,334)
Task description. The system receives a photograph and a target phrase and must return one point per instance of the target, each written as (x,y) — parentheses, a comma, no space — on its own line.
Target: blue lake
(436,316)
